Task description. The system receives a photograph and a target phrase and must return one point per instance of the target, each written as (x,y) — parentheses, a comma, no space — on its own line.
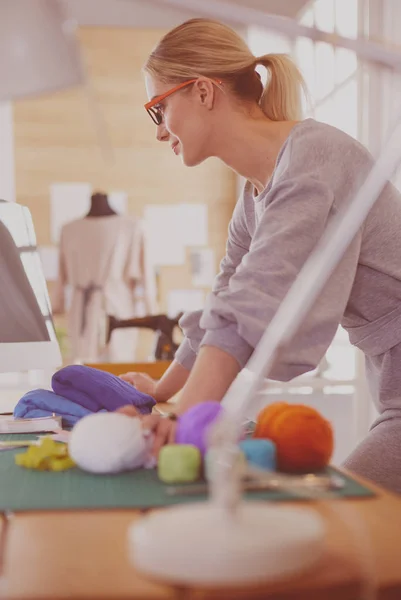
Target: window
(332,78)
(331,74)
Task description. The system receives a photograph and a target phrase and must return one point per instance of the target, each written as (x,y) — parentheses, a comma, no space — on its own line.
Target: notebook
(39,425)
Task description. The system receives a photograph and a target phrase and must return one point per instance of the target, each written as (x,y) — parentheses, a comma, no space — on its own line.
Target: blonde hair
(203,47)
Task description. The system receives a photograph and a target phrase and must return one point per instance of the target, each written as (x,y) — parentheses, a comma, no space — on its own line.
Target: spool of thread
(259,452)
(303,437)
(179,463)
(193,425)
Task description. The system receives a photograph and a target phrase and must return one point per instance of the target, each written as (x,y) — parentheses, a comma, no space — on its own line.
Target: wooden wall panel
(56,141)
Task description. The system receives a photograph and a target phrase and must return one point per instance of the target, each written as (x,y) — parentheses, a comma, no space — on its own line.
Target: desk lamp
(38,53)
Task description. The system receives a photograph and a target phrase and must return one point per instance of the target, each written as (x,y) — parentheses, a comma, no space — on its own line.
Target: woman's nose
(162,134)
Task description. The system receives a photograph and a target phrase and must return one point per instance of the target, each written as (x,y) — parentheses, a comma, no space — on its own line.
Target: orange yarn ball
(266,418)
(304,439)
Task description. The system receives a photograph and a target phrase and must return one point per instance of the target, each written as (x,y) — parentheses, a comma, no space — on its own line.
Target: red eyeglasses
(155,111)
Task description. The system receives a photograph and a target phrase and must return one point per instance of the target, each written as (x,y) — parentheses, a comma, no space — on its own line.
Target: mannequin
(103,261)
(100,206)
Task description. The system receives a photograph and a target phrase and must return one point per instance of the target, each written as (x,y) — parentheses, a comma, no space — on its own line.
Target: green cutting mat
(24,489)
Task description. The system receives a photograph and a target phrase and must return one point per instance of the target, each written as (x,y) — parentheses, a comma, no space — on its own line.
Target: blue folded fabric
(94,390)
(44,403)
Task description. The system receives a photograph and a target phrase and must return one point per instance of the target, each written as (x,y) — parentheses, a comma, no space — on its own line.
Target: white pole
(7,169)
(361,406)
(389,56)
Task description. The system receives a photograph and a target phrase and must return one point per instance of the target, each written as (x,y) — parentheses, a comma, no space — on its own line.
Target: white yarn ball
(108,443)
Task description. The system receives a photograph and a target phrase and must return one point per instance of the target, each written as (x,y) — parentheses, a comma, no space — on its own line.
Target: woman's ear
(205,92)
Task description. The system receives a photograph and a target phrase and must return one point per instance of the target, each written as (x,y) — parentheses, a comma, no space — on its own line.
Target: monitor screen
(25,311)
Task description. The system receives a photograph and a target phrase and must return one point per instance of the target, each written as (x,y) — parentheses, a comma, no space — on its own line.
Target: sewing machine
(164,326)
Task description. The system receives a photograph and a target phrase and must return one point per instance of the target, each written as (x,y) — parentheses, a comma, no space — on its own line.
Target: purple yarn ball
(192,426)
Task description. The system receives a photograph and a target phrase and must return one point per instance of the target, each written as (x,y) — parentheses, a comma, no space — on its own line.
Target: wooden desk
(73,555)
(84,555)
(155,369)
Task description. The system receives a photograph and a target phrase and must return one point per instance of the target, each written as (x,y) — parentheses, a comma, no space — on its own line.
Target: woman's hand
(129,410)
(142,382)
(163,430)
(163,389)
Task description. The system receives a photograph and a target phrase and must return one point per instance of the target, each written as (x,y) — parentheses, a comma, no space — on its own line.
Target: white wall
(392,90)
(158,13)
(7,174)
(125,13)
(384,95)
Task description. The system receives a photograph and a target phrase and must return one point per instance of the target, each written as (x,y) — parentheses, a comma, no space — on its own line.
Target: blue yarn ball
(260,453)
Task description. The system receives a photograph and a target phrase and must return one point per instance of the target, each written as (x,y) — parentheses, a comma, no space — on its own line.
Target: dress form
(100,206)
(102,261)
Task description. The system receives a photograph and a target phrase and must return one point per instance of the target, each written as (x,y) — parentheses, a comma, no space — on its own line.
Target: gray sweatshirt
(318,169)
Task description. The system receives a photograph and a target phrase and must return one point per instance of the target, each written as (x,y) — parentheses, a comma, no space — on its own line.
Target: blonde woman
(207,99)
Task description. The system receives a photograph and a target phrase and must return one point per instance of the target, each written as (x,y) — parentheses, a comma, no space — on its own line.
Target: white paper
(62,436)
(49,257)
(68,201)
(170,229)
(193,219)
(68,293)
(184,300)
(118,201)
(203,267)
(163,235)
(36,425)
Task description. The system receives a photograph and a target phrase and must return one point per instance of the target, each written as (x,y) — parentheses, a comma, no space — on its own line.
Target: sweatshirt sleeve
(295,214)
(237,246)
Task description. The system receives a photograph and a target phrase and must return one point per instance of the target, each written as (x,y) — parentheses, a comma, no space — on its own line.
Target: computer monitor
(27,335)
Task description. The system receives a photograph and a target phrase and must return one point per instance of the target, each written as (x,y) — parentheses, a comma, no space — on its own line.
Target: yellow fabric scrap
(48,456)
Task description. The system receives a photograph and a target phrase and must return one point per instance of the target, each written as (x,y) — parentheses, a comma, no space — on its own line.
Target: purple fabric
(43,403)
(96,390)
(192,426)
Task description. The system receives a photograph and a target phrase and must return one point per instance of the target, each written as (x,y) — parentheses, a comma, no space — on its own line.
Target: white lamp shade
(38,51)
